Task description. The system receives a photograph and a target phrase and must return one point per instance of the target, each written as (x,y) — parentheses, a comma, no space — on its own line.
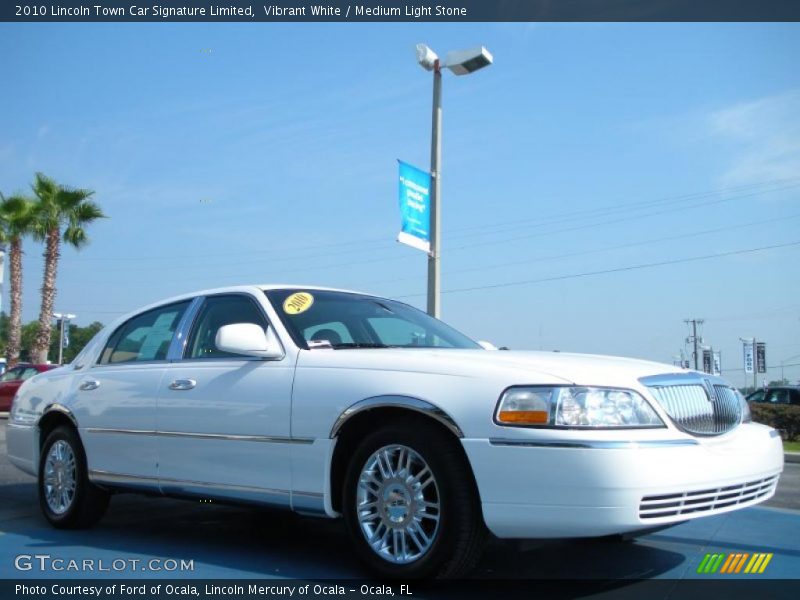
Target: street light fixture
(63,319)
(460,62)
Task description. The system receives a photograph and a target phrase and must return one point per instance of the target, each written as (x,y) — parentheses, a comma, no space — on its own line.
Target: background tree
(61,213)
(78,338)
(29,331)
(16,219)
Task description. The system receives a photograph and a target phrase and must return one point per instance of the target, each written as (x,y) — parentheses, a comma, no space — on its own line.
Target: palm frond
(38,230)
(76,236)
(45,188)
(67,199)
(16,215)
(86,212)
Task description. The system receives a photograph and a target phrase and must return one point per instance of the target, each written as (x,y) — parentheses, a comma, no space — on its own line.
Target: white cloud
(766,138)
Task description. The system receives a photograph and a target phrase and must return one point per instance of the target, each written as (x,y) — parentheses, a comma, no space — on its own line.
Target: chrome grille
(698,409)
(705,501)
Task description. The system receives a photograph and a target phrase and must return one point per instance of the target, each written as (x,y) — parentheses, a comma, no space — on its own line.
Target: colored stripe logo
(735,562)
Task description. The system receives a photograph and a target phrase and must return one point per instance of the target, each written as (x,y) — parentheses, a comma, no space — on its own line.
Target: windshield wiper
(350,345)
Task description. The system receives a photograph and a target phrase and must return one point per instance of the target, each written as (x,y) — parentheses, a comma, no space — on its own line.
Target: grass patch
(791,446)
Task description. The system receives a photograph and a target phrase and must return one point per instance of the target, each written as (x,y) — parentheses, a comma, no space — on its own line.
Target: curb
(791,457)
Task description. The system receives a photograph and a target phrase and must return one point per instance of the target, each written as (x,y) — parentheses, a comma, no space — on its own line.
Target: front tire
(410,503)
(67,498)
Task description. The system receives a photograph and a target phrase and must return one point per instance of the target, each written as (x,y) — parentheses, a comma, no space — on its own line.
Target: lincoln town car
(346,405)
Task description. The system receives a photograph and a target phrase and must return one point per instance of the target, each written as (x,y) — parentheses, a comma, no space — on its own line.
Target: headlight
(575,407)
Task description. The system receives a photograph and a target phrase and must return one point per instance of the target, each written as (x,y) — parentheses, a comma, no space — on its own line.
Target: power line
(616,270)
(272,259)
(619,220)
(584,274)
(589,213)
(628,205)
(603,249)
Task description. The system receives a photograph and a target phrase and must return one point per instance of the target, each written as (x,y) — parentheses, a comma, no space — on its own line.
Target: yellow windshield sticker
(297,303)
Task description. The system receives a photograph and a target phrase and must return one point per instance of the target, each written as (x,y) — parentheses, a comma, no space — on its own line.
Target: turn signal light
(523,417)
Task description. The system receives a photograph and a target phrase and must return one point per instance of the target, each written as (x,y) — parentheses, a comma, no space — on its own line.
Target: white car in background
(336,403)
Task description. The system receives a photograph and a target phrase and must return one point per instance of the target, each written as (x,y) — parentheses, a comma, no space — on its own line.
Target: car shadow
(590,559)
(234,542)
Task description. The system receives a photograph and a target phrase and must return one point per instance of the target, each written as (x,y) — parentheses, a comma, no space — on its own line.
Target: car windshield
(317,318)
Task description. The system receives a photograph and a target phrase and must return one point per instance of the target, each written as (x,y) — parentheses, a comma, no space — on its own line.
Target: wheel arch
(53,416)
(364,416)
(408,403)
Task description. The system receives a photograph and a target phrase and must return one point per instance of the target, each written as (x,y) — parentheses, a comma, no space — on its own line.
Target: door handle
(182,384)
(89,384)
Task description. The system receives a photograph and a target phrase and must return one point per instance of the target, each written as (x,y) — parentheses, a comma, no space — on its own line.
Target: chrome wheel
(398,504)
(59,477)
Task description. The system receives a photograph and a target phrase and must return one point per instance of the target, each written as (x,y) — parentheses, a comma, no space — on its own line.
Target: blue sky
(267,153)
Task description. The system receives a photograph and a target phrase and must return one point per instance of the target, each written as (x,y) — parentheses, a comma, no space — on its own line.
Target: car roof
(234,288)
(247,288)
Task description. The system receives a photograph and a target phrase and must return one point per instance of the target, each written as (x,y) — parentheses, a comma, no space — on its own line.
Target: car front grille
(706,501)
(698,409)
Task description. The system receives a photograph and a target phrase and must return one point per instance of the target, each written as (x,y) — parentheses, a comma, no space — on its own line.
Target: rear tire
(67,498)
(410,490)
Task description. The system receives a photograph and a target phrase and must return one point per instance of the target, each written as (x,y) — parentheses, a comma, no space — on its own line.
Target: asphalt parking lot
(227,542)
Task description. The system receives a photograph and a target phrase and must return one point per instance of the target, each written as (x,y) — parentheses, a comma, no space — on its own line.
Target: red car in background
(13,378)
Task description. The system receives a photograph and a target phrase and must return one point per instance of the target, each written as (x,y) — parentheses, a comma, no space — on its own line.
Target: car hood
(519,366)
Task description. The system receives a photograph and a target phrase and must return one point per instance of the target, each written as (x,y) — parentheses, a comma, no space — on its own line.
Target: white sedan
(336,403)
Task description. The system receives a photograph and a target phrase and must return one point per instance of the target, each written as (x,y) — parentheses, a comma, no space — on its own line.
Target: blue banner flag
(415,207)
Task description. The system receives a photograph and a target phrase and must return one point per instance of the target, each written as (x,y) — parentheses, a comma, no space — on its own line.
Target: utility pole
(693,339)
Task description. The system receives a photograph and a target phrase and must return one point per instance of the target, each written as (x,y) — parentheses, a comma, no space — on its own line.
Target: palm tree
(16,218)
(59,212)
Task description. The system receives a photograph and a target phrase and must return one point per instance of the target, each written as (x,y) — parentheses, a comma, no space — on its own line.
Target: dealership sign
(748,357)
(415,207)
(761,357)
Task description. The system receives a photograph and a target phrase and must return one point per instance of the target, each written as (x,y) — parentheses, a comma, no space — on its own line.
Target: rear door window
(146,337)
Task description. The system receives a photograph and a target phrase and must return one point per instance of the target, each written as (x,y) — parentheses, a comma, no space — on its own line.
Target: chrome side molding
(604,444)
(304,502)
(415,404)
(204,436)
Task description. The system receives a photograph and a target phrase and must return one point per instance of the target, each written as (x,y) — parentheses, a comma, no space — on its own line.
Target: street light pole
(460,62)
(63,321)
(434,277)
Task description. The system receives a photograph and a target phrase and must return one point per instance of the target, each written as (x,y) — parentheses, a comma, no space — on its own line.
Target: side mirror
(487,345)
(249,339)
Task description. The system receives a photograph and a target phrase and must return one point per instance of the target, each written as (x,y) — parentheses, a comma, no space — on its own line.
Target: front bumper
(531,488)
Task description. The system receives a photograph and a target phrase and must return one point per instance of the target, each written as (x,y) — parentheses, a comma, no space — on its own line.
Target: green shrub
(783,417)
